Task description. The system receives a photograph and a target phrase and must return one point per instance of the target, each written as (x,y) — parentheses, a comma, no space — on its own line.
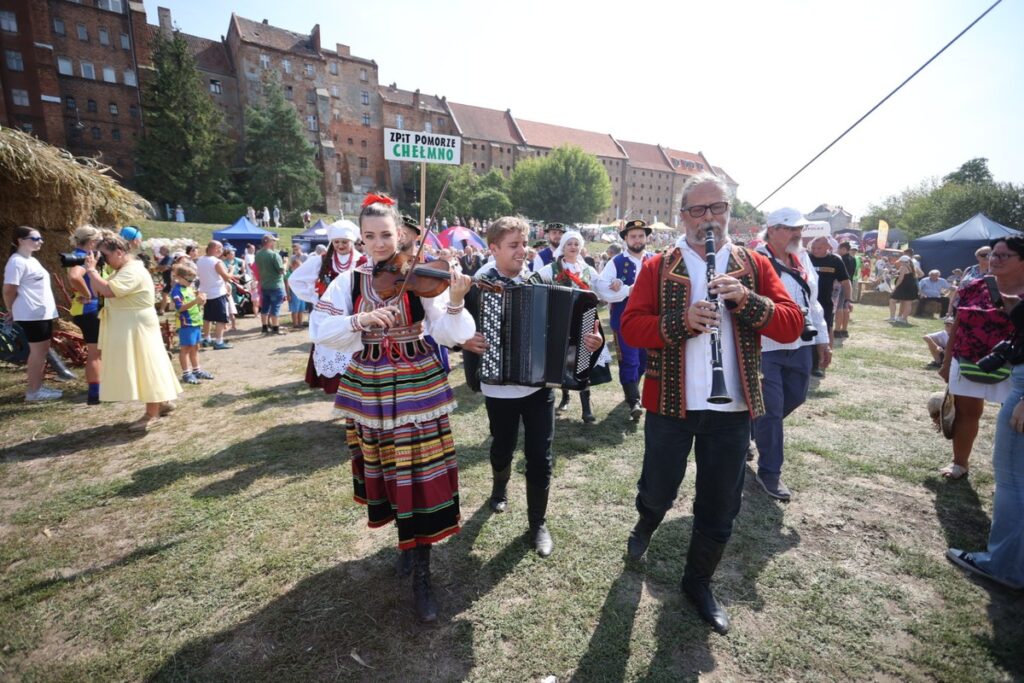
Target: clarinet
(719,394)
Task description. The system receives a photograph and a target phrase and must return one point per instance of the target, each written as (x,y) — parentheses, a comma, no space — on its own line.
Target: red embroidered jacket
(654,319)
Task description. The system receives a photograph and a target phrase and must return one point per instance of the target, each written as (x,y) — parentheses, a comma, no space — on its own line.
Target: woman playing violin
(394,395)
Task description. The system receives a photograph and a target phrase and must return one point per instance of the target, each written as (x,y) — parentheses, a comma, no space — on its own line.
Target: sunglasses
(698,210)
(34,239)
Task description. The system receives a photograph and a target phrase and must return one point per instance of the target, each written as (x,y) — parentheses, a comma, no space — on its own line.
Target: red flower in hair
(378,199)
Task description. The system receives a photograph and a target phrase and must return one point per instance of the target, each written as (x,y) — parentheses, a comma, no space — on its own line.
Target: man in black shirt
(831,269)
(844,306)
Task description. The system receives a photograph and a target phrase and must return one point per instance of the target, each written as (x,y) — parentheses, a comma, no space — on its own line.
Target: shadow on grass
(297,348)
(359,607)
(272,453)
(62,444)
(265,398)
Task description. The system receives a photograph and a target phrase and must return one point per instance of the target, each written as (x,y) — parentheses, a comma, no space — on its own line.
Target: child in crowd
(190,321)
(937,342)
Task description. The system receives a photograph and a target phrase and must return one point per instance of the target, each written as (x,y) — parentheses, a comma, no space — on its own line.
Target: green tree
(569,185)
(182,156)
(490,203)
(971,172)
(458,200)
(746,211)
(278,157)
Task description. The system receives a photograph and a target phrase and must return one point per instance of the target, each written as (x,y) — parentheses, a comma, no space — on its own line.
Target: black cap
(634,225)
(412,224)
(539,244)
(554,226)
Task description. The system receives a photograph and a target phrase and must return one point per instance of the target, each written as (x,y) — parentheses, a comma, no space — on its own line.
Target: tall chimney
(314,38)
(164,15)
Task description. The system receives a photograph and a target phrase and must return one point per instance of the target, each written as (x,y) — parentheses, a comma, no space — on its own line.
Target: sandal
(953,471)
(143,424)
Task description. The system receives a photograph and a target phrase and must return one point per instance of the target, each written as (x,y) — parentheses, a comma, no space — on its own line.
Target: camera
(808,333)
(71,260)
(1006,351)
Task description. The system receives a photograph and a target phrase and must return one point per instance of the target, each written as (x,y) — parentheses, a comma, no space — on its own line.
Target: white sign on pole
(817,229)
(430,148)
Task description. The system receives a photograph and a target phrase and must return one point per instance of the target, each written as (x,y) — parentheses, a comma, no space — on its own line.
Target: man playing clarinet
(616,281)
(669,314)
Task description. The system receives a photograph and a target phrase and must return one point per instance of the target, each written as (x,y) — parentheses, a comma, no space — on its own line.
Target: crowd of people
(758,323)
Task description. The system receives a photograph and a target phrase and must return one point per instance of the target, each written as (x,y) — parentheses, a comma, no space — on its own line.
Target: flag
(883,234)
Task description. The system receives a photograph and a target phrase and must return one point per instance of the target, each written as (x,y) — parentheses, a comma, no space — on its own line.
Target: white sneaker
(43,394)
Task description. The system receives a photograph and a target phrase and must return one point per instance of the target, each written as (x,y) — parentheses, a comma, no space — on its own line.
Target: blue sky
(759,87)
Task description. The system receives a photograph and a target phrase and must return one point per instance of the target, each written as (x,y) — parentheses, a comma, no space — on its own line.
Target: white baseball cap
(787,216)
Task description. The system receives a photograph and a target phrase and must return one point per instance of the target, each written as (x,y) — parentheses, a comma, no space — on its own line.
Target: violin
(422,279)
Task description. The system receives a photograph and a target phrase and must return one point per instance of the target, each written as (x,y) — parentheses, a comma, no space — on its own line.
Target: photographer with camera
(981,323)
(85,304)
(1003,561)
(787,367)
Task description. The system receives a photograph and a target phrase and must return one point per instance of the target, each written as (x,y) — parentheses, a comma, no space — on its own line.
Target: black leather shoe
(405,562)
(564,404)
(422,592)
(541,541)
(536,513)
(640,538)
(707,605)
(498,501)
(701,561)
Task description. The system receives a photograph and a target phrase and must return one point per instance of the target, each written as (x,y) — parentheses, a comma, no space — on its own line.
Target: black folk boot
(536,513)
(640,536)
(499,489)
(423,594)
(701,562)
(632,392)
(404,563)
(588,416)
(564,404)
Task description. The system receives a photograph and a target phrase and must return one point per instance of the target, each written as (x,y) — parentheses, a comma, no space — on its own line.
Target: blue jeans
(720,452)
(1005,556)
(270,301)
(787,376)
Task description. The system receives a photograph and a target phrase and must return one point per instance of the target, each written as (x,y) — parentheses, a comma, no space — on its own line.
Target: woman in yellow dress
(135,364)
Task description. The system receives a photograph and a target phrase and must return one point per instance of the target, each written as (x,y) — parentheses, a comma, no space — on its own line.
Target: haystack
(50,190)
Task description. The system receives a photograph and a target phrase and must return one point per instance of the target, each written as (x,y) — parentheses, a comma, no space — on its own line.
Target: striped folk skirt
(401,445)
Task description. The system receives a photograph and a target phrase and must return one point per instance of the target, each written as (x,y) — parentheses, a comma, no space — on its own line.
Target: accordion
(535,335)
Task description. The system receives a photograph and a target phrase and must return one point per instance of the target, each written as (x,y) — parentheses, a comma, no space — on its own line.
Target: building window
(288,92)
(95,133)
(113,109)
(8,22)
(366,120)
(440,124)
(69,102)
(83,33)
(215,86)
(427,127)
(286,64)
(365,97)
(399,122)
(311,96)
(362,143)
(14,60)
(129,78)
(116,133)
(364,162)
(133,111)
(90,106)
(112,5)
(334,91)
(104,36)
(109,75)
(310,71)
(350,141)
(58,26)
(311,123)
(126,42)
(65,67)
(337,178)
(87,70)
(363,75)
(334,69)
(19,97)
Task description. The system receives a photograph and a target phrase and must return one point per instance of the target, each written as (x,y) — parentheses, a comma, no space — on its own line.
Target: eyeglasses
(1002,256)
(698,210)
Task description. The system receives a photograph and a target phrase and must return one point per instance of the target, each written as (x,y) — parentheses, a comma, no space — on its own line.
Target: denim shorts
(189,336)
(270,301)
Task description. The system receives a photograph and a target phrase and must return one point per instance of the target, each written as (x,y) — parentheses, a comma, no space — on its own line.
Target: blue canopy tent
(955,247)
(314,235)
(242,233)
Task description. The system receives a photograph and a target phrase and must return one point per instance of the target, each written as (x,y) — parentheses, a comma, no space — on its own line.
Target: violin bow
(423,242)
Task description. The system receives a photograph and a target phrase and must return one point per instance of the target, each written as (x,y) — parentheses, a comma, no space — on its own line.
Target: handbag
(974,373)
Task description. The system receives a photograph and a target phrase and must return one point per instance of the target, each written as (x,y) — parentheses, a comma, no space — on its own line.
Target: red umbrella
(459,236)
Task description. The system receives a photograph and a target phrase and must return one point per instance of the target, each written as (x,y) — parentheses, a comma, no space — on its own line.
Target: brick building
(411,110)
(491,139)
(652,182)
(70,74)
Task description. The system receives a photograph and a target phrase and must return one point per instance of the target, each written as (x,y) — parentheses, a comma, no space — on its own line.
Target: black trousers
(537,412)
(719,441)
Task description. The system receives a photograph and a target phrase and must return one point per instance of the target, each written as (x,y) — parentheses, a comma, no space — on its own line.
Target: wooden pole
(423,196)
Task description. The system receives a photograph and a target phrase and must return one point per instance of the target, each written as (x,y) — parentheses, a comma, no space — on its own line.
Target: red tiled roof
(550,136)
(405,98)
(643,155)
(265,35)
(725,176)
(690,163)
(210,55)
(485,124)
